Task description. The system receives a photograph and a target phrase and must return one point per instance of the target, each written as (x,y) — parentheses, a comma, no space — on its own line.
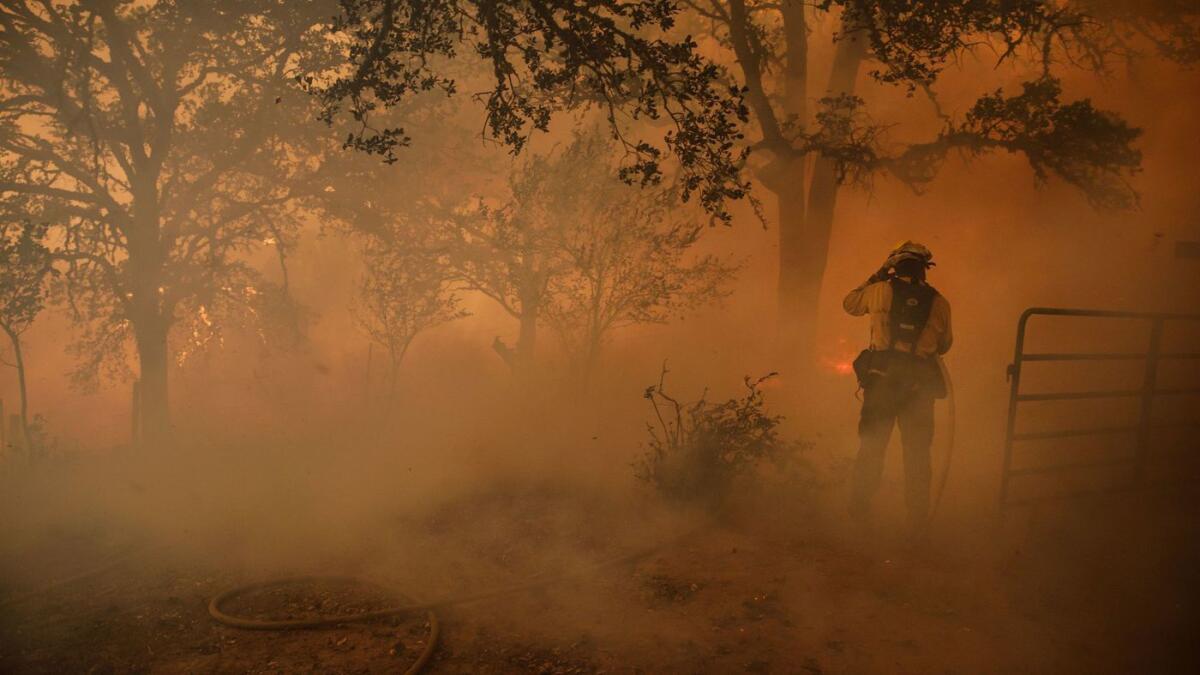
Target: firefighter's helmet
(910,250)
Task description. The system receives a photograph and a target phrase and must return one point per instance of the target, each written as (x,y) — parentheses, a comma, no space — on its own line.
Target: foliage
(911,43)
(1090,149)
(579,249)
(497,252)
(914,40)
(403,292)
(626,256)
(1107,32)
(544,57)
(845,136)
(698,451)
(161,142)
(24,264)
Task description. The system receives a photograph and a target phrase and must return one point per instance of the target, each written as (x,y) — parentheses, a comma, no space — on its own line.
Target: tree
(404,291)
(544,57)
(25,262)
(157,136)
(506,254)
(627,255)
(809,151)
(575,248)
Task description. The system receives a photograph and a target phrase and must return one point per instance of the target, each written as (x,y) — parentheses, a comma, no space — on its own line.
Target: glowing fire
(841,367)
(841,360)
(203,332)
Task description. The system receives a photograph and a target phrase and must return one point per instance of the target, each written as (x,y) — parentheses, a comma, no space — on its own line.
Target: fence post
(1149,384)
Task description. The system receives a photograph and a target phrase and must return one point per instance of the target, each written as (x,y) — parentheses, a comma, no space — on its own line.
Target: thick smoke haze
(290,454)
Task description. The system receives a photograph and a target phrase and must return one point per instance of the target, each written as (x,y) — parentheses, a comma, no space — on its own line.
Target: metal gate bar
(1148,392)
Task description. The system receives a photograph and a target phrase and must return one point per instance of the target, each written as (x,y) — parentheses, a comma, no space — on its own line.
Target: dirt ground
(749,594)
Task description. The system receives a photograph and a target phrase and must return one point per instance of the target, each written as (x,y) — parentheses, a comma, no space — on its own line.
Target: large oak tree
(156,139)
(815,133)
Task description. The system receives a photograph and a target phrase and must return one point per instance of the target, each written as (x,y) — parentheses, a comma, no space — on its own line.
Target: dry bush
(701,452)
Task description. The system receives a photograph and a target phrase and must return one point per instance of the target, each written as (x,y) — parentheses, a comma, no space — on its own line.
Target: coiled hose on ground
(221,616)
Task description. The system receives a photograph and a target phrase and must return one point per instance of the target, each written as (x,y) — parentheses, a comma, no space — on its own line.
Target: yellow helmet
(910,250)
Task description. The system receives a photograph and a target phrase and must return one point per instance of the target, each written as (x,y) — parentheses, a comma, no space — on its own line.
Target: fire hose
(950,413)
(216,605)
(215,611)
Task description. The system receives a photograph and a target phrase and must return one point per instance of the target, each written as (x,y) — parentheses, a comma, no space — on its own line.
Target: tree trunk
(531,302)
(393,374)
(149,311)
(527,337)
(150,333)
(135,414)
(396,355)
(791,182)
(794,247)
(19,358)
(590,359)
(807,259)
(795,70)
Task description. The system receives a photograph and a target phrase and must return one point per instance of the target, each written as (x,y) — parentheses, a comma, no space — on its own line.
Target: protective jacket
(875,298)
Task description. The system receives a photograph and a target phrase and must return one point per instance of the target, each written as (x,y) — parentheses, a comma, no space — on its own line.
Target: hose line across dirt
(214,609)
(221,616)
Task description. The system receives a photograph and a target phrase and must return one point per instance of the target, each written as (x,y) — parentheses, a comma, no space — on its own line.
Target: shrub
(697,452)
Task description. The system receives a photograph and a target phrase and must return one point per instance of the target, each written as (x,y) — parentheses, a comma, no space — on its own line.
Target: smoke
(290,458)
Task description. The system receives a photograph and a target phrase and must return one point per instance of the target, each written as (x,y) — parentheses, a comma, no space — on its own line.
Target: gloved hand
(880,275)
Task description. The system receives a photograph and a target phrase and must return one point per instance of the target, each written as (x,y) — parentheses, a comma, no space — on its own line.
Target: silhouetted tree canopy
(25,261)
(1088,148)
(909,43)
(546,56)
(157,139)
(817,133)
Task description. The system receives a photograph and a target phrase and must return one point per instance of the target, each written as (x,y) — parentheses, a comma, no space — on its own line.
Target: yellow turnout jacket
(876,299)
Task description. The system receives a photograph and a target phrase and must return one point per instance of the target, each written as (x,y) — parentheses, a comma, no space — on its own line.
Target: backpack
(911,306)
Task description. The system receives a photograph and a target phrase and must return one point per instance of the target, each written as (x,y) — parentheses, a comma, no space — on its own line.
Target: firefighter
(899,375)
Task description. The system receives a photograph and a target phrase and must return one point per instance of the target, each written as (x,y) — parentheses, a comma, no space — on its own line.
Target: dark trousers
(886,402)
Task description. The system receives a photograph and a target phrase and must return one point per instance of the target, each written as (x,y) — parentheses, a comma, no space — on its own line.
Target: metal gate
(1130,468)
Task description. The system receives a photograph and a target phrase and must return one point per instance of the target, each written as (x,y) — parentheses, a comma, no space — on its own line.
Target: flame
(838,366)
(841,361)
(203,333)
